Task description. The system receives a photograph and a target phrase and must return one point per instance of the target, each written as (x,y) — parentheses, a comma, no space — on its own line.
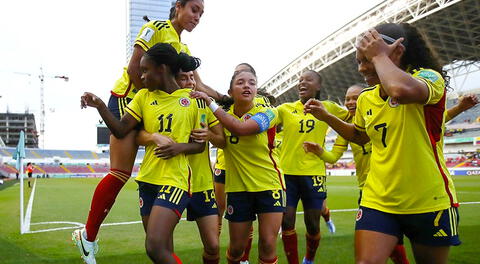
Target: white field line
(80,225)
(28,214)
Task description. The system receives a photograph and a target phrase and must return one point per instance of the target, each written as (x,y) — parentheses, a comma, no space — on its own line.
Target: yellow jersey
(408,174)
(251,164)
(361,156)
(202,177)
(151,33)
(174,115)
(259,101)
(298,128)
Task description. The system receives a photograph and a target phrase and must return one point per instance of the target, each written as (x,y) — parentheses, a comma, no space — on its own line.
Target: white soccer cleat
(87,249)
(244,262)
(331,226)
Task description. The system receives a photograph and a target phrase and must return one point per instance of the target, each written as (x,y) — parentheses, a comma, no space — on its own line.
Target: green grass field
(68,200)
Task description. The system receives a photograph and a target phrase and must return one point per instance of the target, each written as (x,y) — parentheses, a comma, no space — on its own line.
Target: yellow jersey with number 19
(298,128)
(174,115)
(408,174)
(151,33)
(251,164)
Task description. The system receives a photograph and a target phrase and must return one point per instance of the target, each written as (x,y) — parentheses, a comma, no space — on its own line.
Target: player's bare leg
(427,254)
(268,226)
(162,222)
(373,247)
(208,228)
(220,199)
(289,235)
(239,232)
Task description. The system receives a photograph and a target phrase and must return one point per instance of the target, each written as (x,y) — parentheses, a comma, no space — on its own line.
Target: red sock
(290,245)
(210,259)
(177,259)
(312,244)
(399,255)
(103,199)
(326,214)
(230,259)
(268,261)
(246,253)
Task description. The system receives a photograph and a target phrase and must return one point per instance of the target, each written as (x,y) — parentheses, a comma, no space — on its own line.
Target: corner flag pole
(19,155)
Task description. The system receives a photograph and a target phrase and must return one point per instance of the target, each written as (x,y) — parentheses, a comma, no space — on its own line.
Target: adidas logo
(440,233)
(162,196)
(369,112)
(277,204)
(294,111)
(214,205)
(154,103)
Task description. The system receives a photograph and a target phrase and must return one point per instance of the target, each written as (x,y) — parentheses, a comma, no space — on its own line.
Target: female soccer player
(304,172)
(185,16)
(164,184)
(219,173)
(202,207)
(408,190)
(254,183)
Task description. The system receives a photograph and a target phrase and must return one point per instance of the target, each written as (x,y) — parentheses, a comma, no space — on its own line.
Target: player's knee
(236,251)
(288,222)
(156,249)
(267,245)
(312,226)
(212,248)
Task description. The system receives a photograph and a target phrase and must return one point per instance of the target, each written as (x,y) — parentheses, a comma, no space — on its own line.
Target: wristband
(213,106)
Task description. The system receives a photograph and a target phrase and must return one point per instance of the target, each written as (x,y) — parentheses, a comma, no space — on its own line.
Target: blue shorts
(161,195)
(202,204)
(311,189)
(219,176)
(244,206)
(117,105)
(438,228)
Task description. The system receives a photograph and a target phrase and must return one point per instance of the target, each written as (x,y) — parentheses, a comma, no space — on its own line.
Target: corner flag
(19,153)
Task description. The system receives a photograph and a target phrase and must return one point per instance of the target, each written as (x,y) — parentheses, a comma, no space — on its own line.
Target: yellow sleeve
(150,34)
(336,110)
(275,121)
(211,118)
(434,82)
(339,147)
(358,120)
(280,110)
(135,106)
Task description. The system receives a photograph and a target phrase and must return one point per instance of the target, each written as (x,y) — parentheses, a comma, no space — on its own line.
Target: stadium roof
(452,26)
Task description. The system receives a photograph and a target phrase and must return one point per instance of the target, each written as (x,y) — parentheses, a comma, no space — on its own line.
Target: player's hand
(316,108)
(168,150)
(313,147)
(161,140)
(89,99)
(201,95)
(371,44)
(467,101)
(200,135)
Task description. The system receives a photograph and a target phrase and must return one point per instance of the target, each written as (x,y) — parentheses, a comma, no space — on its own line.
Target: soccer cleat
(87,249)
(306,261)
(244,262)
(331,226)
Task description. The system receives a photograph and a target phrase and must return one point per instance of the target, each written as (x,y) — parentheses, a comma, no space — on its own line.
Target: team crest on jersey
(246,117)
(392,102)
(230,210)
(141,202)
(184,101)
(359,214)
(217,172)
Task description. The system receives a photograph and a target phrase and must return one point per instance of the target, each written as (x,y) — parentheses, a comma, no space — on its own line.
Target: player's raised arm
(119,128)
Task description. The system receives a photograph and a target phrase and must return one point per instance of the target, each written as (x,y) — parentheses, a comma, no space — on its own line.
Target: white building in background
(136,9)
